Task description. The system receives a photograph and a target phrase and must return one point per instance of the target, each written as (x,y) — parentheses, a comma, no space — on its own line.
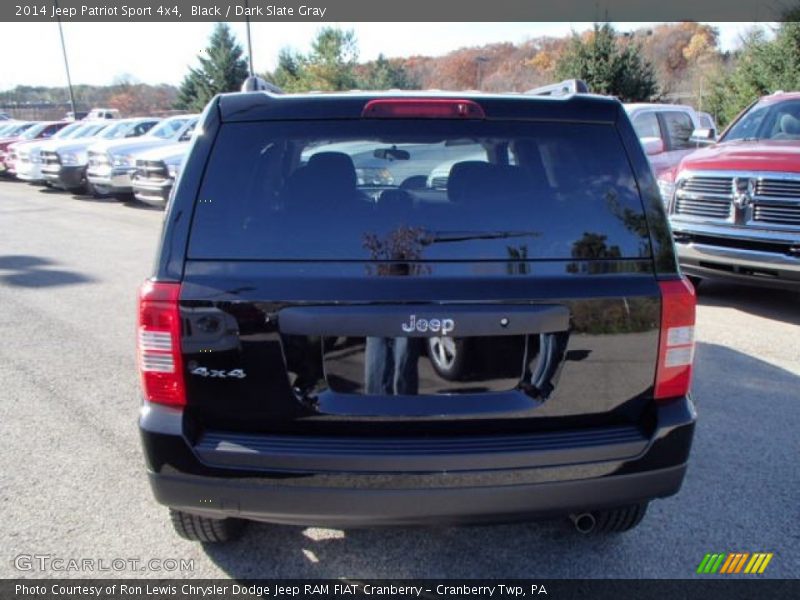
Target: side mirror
(652,145)
(186,135)
(703,137)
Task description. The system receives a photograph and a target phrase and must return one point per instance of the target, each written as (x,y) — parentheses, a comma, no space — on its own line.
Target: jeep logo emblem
(441,326)
(743,191)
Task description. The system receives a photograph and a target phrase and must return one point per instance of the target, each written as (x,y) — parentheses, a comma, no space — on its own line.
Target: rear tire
(696,281)
(617,520)
(205,529)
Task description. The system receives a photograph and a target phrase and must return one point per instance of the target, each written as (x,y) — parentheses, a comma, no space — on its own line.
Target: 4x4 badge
(219,373)
(743,191)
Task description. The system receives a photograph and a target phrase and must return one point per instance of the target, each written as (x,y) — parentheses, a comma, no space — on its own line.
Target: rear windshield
(401,190)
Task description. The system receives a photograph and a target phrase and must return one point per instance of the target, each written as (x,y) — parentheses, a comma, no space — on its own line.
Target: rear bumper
(333,507)
(551,482)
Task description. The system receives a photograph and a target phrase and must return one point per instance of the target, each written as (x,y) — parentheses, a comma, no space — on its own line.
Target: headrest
(468,180)
(790,124)
(335,168)
(476,181)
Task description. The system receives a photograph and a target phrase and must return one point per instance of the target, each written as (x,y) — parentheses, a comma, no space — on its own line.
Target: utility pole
(66,66)
(479,61)
(249,44)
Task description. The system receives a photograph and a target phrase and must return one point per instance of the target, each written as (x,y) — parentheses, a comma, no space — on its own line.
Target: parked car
(7,126)
(735,206)
(103,113)
(156,172)
(112,163)
(64,165)
(666,132)
(12,129)
(28,163)
(39,131)
(279,336)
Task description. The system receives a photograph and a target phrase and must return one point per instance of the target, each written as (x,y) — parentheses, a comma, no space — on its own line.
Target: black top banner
(399,11)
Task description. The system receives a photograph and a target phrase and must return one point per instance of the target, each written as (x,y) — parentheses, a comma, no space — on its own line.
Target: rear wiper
(462,236)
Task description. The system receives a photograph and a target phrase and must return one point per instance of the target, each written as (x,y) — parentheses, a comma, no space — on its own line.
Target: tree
(608,65)
(676,50)
(222,69)
(383,74)
(288,74)
(189,91)
(763,67)
(141,99)
(330,66)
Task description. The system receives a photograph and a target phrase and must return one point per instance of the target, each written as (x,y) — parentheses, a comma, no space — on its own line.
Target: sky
(162,52)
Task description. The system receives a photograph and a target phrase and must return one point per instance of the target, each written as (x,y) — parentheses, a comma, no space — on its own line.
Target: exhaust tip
(584,522)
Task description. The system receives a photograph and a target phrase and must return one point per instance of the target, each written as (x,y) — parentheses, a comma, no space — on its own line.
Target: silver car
(64,164)
(112,164)
(156,172)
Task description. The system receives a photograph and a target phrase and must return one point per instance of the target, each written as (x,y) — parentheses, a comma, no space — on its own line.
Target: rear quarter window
(405,190)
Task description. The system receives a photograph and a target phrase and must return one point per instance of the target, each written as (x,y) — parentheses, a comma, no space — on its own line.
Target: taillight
(676,346)
(158,343)
(422,108)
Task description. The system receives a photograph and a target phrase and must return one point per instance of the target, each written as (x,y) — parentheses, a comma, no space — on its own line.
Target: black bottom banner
(345,588)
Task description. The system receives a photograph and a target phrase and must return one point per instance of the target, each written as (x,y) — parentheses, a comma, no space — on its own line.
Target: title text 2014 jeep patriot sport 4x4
(282,337)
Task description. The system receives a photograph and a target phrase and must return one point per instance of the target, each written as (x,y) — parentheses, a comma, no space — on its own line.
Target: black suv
(306,261)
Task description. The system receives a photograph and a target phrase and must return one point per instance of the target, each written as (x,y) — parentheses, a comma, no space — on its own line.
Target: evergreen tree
(222,69)
(764,66)
(608,65)
(330,66)
(385,75)
(289,73)
(188,91)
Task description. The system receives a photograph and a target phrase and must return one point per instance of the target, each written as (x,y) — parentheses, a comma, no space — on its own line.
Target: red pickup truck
(735,205)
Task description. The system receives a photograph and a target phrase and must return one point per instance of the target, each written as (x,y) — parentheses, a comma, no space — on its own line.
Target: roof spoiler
(563,88)
(259,84)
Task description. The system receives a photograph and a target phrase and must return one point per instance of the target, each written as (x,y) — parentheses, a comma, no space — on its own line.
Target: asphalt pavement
(72,481)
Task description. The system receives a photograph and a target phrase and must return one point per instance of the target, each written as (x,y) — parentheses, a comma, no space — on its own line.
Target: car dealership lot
(72,483)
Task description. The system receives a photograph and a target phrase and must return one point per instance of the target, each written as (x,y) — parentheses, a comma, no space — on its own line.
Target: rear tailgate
(275,351)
